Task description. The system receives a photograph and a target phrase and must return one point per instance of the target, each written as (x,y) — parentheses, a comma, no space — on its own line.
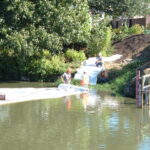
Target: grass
(119,78)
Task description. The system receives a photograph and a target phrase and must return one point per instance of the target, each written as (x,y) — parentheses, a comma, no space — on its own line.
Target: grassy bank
(119,78)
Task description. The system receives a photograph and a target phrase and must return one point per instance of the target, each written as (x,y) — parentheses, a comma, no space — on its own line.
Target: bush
(100,39)
(46,69)
(125,31)
(136,29)
(120,33)
(75,56)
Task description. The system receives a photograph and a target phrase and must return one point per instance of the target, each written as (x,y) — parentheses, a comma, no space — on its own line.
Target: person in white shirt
(66,77)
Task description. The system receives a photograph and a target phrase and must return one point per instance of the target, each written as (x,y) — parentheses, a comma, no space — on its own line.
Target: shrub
(120,33)
(75,56)
(125,31)
(106,47)
(136,29)
(46,69)
(100,39)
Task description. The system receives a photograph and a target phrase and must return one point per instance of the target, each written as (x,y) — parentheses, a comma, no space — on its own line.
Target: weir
(90,68)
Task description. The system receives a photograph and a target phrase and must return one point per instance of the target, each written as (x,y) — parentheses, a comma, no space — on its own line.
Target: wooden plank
(147,86)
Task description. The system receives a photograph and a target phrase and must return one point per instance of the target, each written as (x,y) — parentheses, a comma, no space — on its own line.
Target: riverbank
(135,51)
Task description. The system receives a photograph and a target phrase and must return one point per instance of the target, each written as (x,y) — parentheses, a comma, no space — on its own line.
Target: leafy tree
(29,27)
(124,8)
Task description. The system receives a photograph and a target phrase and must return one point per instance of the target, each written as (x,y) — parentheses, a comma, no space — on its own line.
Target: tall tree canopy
(29,29)
(28,25)
(118,8)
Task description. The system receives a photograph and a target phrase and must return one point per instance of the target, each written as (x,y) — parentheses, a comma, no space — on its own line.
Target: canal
(93,121)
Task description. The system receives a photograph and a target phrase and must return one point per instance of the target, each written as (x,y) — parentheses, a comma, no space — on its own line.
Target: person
(85,79)
(99,60)
(102,77)
(66,77)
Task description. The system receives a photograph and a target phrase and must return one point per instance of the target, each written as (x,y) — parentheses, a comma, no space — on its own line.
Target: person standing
(85,79)
(66,77)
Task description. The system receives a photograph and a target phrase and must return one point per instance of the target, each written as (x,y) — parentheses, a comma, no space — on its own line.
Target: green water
(94,121)
(20,84)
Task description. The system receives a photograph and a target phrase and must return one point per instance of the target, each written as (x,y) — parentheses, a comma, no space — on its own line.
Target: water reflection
(94,101)
(68,102)
(90,121)
(144,136)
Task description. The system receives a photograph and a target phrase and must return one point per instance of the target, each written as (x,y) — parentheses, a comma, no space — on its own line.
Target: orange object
(82,82)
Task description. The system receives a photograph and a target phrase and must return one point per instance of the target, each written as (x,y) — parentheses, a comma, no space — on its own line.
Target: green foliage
(75,56)
(125,31)
(46,69)
(119,78)
(44,40)
(35,31)
(120,33)
(106,45)
(136,29)
(75,82)
(69,19)
(123,8)
(10,68)
(100,39)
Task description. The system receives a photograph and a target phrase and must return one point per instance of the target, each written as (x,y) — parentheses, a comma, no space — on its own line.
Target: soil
(135,47)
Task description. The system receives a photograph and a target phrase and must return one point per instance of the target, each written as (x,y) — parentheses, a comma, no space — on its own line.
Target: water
(94,121)
(20,84)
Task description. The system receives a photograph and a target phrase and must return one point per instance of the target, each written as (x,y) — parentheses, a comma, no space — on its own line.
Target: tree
(29,27)
(124,8)
(100,39)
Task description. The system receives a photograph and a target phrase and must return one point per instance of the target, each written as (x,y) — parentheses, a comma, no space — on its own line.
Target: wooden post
(149,92)
(149,97)
(142,91)
(138,104)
